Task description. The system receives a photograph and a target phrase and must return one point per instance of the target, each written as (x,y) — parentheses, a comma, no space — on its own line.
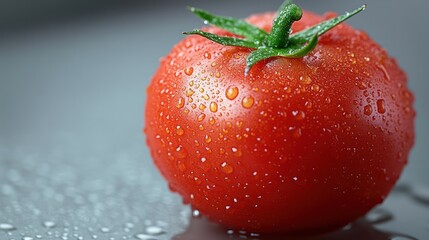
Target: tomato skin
(306,144)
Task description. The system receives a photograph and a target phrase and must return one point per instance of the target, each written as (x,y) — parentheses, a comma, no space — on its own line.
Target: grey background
(72,92)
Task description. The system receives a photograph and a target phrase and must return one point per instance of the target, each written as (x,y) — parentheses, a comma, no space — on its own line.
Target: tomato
(297,144)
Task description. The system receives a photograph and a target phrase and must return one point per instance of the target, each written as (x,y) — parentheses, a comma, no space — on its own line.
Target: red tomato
(304,144)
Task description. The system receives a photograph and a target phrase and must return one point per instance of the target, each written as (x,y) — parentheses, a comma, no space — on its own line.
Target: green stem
(279,35)
(279,43)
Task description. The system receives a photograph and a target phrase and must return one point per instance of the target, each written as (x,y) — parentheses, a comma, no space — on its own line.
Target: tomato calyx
(279,42)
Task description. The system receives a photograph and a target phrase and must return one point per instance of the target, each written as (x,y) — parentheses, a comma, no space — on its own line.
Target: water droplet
(315,88)
(221,150)
(207,139)
(7,227)
(362,85)
(328,100)
(207,55)
(196,213)
(49,224)
(212,121)
(206,97)
(201,117)
(299,115)
(180,103)
(189,92)
(181,152)
(248,102)
(378,215)
(142,236)
(421,194)
(367,110)
(403,237)
(27,238)
(189,71)
(305,80)
(154,230)
(202,107)
(179,130)
(236,152)
(213,106)
(231,93)
(381,106)
(296,133)
(129,225)
(226,168)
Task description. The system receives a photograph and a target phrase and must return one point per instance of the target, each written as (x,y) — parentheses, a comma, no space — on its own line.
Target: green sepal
(236,26)
(227,41)
(292,51)
(279,42)
(321,28)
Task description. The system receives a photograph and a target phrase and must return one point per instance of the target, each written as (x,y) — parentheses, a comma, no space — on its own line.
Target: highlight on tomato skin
(302,144)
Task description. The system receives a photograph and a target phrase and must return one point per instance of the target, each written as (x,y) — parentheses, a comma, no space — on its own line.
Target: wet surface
(52,196)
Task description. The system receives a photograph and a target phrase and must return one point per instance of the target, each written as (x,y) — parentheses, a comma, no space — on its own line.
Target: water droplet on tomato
(299,115)
(248,102)
(381,107)
(179,130)
(367,110)
(201,117)
(226,168)
(181,152)
(202,107)
(236,152)
(305,80)
(207,139)
(221,150)
(212,121)
(206,97)
(231,92)
(213,106)
(189,71)
(296,133)
(362,85)
(207,55)
(328,100)
(315,88)
(189,92)
(180,103)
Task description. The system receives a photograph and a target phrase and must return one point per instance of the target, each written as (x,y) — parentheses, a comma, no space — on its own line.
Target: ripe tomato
(302,144)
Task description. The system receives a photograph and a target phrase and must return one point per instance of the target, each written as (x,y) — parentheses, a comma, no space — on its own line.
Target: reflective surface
(73,163)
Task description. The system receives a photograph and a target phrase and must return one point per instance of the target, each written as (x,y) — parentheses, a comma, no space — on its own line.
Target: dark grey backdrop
(72,91)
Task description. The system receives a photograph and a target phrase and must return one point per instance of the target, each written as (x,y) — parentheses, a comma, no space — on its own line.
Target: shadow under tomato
(200,228)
